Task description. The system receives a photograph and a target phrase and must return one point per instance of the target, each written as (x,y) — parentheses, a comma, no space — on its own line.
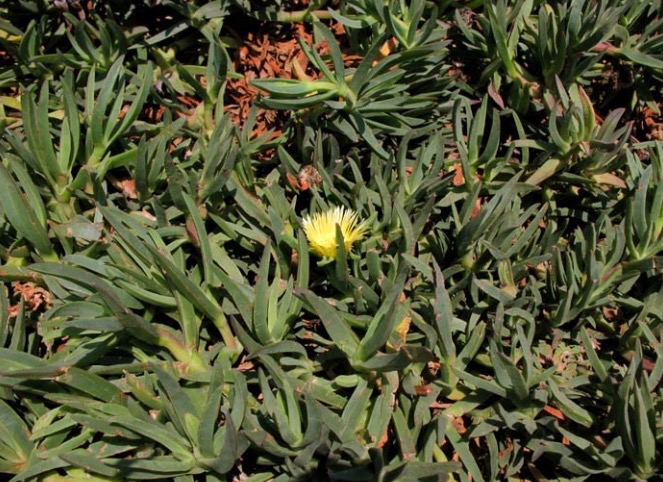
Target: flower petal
(320,230)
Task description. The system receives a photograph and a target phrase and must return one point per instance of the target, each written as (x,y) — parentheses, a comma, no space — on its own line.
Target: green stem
(63,211)
(182,353)
(90,166)
(96,156)
(228,336)
(468,260)
(438,455)
(50,257)
(303,15)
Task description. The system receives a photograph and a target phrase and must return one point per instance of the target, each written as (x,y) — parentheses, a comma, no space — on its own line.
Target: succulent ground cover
(355,240)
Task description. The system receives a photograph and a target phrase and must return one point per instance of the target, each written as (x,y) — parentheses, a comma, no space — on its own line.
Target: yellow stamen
(320,230)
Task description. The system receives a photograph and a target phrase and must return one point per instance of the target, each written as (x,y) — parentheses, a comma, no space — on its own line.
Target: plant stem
(182,353)
(96,156)
(221,324)
(303,15)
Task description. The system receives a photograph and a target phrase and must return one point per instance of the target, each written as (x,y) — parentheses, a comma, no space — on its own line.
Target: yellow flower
(320,230)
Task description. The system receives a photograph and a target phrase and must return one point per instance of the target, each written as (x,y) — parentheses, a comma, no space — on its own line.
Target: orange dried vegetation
(35,297)
(269,52)
(272,51)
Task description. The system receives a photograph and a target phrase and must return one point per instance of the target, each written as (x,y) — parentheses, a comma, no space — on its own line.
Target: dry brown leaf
(35,297)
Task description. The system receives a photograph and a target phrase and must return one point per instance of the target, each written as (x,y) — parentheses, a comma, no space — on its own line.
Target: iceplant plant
(320,230)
